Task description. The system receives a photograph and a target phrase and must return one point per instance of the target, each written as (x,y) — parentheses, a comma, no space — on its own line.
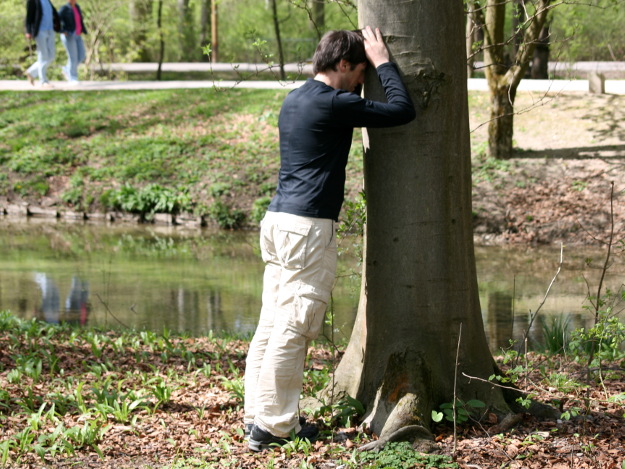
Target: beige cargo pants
(300,257)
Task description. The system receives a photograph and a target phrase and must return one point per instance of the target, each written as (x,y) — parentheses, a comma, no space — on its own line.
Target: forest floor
(114,400)
(569,149)
(141,400)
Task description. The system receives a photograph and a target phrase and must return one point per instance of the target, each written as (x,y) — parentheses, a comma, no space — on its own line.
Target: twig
(533,316)
(597,304)
(455,390)
(489,382)
(110,312)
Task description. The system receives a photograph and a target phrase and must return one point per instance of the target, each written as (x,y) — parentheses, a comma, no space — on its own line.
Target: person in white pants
(297,235)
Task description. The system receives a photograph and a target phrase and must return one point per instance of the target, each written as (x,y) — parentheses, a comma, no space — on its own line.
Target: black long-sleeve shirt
(316,124)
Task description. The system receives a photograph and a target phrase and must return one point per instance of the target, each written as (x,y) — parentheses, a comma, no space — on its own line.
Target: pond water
(198,281)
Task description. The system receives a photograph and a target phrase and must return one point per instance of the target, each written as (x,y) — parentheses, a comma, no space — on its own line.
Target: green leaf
(476,403)
(437,416)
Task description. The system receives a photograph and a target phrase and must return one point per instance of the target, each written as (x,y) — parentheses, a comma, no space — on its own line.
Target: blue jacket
(68,23)
(34,14)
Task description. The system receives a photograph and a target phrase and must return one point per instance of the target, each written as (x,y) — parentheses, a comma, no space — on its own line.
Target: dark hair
(337,45)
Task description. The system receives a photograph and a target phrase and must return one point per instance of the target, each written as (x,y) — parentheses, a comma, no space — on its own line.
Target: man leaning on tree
(297,235)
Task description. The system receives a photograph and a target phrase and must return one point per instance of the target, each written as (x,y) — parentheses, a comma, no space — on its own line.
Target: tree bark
(540,62)
(419,281)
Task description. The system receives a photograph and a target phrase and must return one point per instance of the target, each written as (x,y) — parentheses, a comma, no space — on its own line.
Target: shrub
(260,208)
(225,216)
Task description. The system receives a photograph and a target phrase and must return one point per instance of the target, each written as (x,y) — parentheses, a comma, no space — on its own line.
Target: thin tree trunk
(161,51)
(276,27)
(319,17)
(140,12)
(205,16)
(214,33)
(186,35)
(503,79)
(471,24)
(540,62)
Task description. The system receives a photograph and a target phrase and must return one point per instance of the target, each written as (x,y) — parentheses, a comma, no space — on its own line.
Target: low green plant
(555,334)
(296,445)
(603,342)
(400,455)
(235,387)
(342,413)
(259,208)
(463,410)
(147,200)
(226,217)
(90,434)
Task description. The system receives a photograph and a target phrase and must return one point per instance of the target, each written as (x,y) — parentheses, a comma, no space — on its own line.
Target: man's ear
(344,65)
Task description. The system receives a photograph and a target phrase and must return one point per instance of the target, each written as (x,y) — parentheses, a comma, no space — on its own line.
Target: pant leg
(71,69)
(306,249)
(80,53)
(258,345)
(46,51)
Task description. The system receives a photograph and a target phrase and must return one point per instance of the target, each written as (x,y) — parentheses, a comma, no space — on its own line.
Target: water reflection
(76,305)
(198,281)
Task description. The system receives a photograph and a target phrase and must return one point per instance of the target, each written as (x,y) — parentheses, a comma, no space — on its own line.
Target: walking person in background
(297,235)
(72,29)
(42,20)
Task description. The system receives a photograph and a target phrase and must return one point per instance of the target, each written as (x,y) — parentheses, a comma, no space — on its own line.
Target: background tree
(419,283)
(141,19)
(190,49)
(205,25)
(505,73)
(276,26)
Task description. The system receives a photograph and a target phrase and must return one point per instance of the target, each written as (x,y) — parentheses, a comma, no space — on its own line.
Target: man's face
(354,78)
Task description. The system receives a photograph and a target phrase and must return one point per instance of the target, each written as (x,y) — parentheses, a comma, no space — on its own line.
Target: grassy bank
(140,399)
(214,153)
(201,151)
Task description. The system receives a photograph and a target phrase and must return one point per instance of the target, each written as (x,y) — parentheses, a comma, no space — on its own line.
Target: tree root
(421,438)
(506,424)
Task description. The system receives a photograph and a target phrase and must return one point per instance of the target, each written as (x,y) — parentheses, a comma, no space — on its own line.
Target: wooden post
(214,33)
(596,83)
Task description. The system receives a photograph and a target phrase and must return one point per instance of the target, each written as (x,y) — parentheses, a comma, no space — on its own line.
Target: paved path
(554,86)
(250,70)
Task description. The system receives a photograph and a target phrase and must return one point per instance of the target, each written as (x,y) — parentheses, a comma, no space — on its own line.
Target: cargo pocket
(292,241)
(308,315)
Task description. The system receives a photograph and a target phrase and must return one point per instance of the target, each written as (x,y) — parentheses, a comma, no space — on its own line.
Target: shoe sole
(258,446)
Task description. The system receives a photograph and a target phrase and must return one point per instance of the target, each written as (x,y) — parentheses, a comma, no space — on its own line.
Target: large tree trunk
(504,75)
(419,285)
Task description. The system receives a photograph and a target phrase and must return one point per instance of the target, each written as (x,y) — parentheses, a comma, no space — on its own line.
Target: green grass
(77,146)
(211,152)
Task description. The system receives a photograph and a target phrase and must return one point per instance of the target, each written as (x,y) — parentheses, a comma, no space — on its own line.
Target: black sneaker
(260,440)
(248,428)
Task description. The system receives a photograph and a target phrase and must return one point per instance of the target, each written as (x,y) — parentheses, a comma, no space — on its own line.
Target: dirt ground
(558,185)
